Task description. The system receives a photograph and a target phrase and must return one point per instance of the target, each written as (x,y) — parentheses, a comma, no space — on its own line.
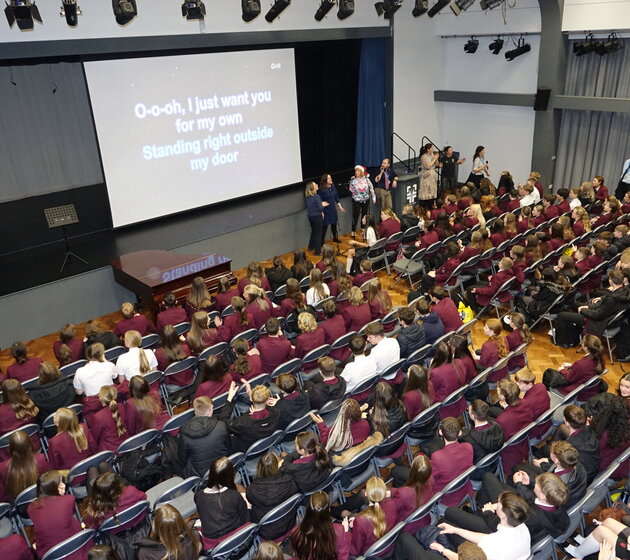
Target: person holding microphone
(315,212)
(385,182)
(480,167)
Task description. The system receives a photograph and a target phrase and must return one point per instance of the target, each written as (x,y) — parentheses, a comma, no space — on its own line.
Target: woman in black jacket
(269,489)
(309,465)
(170,537)
(51,392)
(278,274)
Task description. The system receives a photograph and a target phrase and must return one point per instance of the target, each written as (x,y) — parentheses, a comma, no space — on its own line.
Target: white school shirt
(94,375)
(358,371)
(385,353)
(311,296)
(507,543)
(129,364)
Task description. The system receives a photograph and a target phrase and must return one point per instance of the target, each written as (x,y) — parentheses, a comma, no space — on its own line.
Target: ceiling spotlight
(278,7)
(471,46)
(421,7)
(587,46)
(23,12)
(70,11)
(460,6)
(323,9)
(438,6)
(193,9)
(496,45)
(387,8)
(124,11)
(521,48)
(610,45)
(346,9)
(490,4)
(250,9)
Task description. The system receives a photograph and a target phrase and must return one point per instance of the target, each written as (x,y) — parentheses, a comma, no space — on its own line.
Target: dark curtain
(370,148)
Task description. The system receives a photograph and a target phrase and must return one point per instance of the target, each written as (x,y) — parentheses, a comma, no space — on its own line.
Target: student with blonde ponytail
(73,442)
(374,521)
(137,360)
(108,424)
(520,335)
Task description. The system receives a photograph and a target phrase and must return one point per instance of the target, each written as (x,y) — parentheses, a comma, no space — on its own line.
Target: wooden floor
(541,354)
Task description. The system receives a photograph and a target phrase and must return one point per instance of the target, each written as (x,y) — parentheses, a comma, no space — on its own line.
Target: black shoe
(625,359)
(567,346)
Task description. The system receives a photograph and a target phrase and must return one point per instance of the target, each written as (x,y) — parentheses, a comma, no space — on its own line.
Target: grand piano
(151,274)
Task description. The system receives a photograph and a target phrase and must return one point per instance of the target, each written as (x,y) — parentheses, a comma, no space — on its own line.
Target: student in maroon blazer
(417,490)
(275,348)
(365,275)
(390,224)
(172,349)
(444,306)
(349,420)
(520,334)
(447,375)
(312,337)
(483,295)
(132,321)
(264,284)
(585,368)
(493,349)
(247,364)
(15,547)
(443,273)
(580,217)
(364,527)
(21,462)
(24,368)
(109,496)
(108,424)
(225,294)
(144,407)
(237,322)
(451,461)
(563,204)
(535,396)
(73,442)
(52,513)
(68,349)
(334,326)
(257,305)
(357,314)
(213,379)
(172,315)
(429,238)
(17,409)
(550,210)
(515,416)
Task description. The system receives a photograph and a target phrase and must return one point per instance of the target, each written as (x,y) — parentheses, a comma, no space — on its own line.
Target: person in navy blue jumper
(315,212)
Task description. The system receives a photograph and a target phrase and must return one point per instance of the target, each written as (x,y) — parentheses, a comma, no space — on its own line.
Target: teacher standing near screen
(328,193)
(315,212)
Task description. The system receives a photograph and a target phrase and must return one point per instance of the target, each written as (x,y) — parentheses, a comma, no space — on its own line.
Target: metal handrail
(410,150)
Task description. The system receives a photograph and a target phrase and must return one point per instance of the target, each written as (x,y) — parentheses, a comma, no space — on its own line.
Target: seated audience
(73,442)
(309,465)
(349,429)
(301,265)
(361,368)
(247,364)
(225,293)
(170,537)
(214,380)
(96,333)
(51,392)
(486,436)
(388,413)
(172,349)
(254,275)
(358,313)
(365,274)
(24,368)
(97,373)
(418,394)
(261,421)
(258,306)
(292,403)
(446,309)
(137,360)
(237,322)
(132,321)
(385,351)
(379,301)
(172,314)
(108,424)
(334,327)
(144,407)
(318,289)
(493,349)
(430,320)
(203,333)
(412,335)
(326,386)
(198,298)
(278,274)
(22,469)
(274,348)
(312,336)
(416,491)
(68,348)
(447,375)
(17,408)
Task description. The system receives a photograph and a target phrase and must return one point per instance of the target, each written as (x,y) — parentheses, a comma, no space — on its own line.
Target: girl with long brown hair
(387,413)
(318,290)
(309,465)
(144,409)
(172,349)
(374,521)
(293,300)
(379,301)
(108,424)
(581,221)
(509,223)
(171,538)
(239,321)
(214,380)
(525,220)
(247,364)
(137,360)
(328,259)
(416,491)
(418,393)
(24,368)
(532,249)
(198,298)
(493,349)
(73,442)
(254,274)
(202,334)
(225,293)
(17,409)
(520,335)
(22,469)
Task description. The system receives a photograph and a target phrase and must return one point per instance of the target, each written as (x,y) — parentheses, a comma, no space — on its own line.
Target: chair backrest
(176,422)
(71,545)
(342,341)
(228,310)
(139,441)
(466,328)
(426,417)
(214,350)
(319,306)
(391,317)
(375,251)
(458,482)
(305,283)
(70,369)
(25,497)
(394,238)
(360,462)
(81,468)
(362,388)
(30,383)
(151,340)
(410,235)
(126,516)
(316,353)
(111,354)
(30,429)
(177,367)
(184,487)
(382,545)
(444,338)
(298,425)
(419,354)
(480,379)
(421,512)
(328,484)
(433,248)
(471,262)
(263,445)
(235,545)
(290,366)
(509,283)
(251,335)
(616,319)
(392,369)
(455,396)
(393,442)
(280,293)
(285,510)
(331,407)
(153,378)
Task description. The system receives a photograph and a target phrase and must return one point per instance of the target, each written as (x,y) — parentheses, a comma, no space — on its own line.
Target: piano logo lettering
(189,268)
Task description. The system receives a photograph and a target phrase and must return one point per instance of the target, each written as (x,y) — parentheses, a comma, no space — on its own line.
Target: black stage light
(496,45)
(124,11)
(421,7)
(490,4)
(460,6)
(70,10)
(521,48)
(437,7)
(22,12)
(251,9)
(390,7)
(323,9)
(471,46)
(193,9)
(278,7)
(587,46)
(346,9)
(610,45)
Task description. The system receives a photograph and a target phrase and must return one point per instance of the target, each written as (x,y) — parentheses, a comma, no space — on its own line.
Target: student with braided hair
(108,424)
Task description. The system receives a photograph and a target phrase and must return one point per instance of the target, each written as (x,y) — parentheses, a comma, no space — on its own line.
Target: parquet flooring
(541,354)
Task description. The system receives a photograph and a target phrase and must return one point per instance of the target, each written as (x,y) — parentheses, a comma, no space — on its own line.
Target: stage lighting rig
(70,10)
(610,45)
(496,45)
(471,46)
(346,9)
(521,48)
(278,7)
(193,9)
(490,4)
(438,7)
(250,9)
(323,9)
(421,7)
(460,6)
(22,12)
(124,11)
(587,46)
(387,8)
